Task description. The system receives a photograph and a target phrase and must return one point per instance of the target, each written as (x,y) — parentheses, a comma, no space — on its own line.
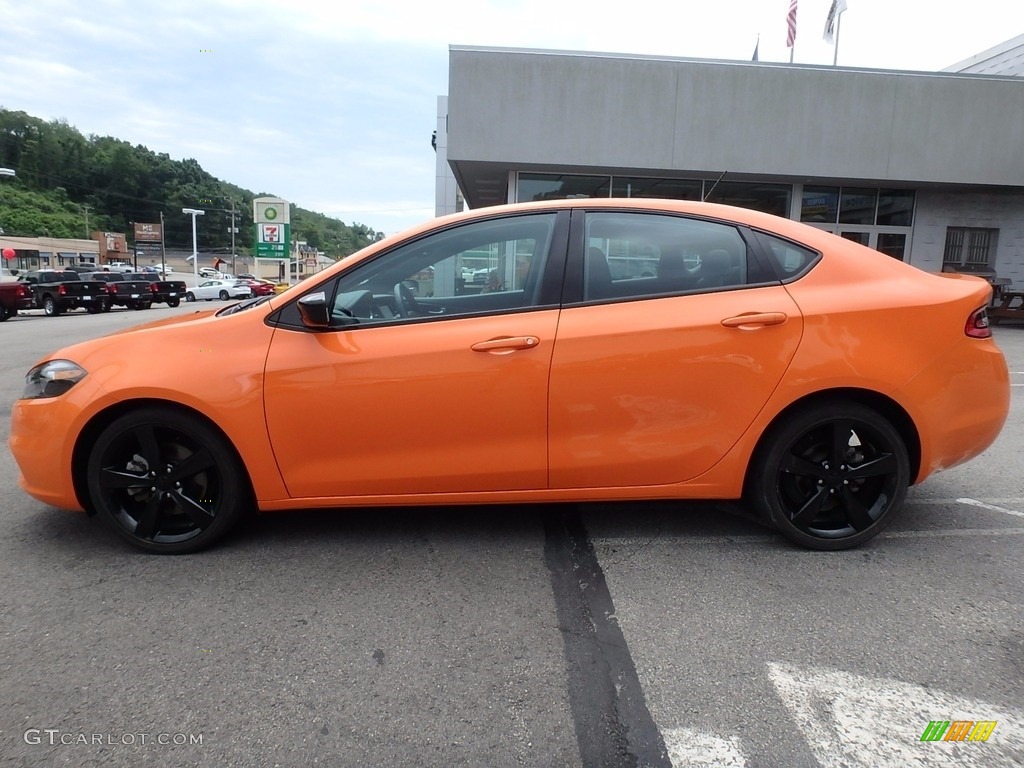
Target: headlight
(52,378)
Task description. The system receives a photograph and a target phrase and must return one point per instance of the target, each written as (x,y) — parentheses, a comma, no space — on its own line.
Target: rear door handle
(506,344)
(754,320)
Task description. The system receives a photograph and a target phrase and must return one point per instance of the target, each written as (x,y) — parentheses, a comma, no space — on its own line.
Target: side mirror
(314,312)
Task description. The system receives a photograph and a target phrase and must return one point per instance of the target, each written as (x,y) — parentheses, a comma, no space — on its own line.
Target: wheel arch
(888,408)
(91,431)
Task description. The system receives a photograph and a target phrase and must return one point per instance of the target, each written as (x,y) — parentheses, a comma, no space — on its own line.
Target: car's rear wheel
(5,313)
(166,481)
(831,477)
(173,302)
(50,307)
(190,296)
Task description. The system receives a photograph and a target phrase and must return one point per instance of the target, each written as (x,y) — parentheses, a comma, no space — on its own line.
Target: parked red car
(259,287)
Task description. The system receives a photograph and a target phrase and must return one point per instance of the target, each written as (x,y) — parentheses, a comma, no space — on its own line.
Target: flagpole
(835,54)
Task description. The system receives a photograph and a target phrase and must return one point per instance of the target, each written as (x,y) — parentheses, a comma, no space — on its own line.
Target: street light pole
(193,212)
(6,172)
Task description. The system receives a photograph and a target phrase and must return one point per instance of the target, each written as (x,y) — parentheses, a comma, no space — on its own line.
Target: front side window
(483,267)
(639,254)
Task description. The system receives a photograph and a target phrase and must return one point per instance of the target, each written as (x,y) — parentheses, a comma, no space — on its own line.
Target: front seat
(716,270)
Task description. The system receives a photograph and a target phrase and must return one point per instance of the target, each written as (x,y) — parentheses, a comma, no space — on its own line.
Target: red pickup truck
(14,296)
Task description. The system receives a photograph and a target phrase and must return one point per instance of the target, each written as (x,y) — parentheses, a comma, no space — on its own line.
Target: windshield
(243,305)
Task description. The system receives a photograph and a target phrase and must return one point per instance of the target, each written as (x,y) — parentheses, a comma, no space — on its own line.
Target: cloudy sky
(331,104)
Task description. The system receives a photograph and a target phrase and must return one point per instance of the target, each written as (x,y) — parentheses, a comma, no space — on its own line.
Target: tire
(106,306)
(190,296)
(50,307)
(166,482)
(224,296)
(173,302)
(5,313)
(94,308)
(831,477)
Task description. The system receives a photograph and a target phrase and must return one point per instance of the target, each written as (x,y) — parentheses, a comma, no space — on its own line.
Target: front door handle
(754,320)
(506,344)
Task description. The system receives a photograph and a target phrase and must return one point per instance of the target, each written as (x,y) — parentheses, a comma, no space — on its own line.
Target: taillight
(111,288)
(62,290)
(153,287)
(977,325)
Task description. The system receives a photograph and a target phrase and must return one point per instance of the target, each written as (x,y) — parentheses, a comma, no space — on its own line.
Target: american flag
(791,24)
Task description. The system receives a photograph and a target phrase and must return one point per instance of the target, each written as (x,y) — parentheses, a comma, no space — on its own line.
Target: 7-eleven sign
(272,241)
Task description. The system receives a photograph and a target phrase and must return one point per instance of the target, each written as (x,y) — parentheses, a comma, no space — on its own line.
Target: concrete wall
(524,108)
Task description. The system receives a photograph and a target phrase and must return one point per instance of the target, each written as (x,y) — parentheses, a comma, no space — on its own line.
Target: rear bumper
(959,404)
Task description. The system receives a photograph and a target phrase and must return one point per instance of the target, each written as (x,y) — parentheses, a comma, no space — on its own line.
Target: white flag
(838,6)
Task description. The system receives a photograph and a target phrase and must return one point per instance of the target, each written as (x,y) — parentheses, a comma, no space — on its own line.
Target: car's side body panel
(412,408)
(657,391)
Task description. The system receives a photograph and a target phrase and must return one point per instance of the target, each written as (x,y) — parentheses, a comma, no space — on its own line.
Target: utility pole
(234,229)
(86,207)
(163,250)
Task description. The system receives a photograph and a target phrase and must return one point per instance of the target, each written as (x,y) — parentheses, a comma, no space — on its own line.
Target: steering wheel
(405,301)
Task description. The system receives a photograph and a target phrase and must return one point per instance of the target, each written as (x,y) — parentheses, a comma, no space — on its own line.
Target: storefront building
(926,167)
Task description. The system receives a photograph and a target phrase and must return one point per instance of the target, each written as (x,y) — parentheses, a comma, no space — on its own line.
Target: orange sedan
(633,349)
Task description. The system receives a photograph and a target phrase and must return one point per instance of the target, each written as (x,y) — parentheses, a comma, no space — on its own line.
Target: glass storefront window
(857,206)
(553,186)
(892,244)
(820,205)
(769,198)
(896,207)
(672,189)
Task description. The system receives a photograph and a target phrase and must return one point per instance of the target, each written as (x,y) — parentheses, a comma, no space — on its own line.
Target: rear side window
(644,254)
(789,259)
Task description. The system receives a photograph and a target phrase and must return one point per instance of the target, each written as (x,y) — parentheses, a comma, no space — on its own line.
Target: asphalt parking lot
(568,635)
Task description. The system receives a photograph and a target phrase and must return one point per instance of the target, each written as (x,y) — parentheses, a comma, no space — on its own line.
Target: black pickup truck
(14,296)
(56,291)
(123,291)
(169,292)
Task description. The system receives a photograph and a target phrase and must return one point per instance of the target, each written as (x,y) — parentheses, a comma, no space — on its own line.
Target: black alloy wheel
(831,477)
(224,296)
(166,481)
(190,296)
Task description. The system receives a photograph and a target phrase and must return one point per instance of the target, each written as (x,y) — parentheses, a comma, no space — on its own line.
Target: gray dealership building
(925,166)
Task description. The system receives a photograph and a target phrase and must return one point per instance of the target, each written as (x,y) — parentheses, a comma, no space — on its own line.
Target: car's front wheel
(832,476)
(190,296)
(166,481)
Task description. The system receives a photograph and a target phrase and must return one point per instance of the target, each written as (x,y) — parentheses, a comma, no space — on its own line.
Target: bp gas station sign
(273,227)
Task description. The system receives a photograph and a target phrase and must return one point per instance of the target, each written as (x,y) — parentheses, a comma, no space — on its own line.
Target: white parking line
(993,507)
(861,722)
(688,748)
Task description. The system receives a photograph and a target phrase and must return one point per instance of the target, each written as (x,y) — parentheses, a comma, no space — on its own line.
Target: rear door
(672,339)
